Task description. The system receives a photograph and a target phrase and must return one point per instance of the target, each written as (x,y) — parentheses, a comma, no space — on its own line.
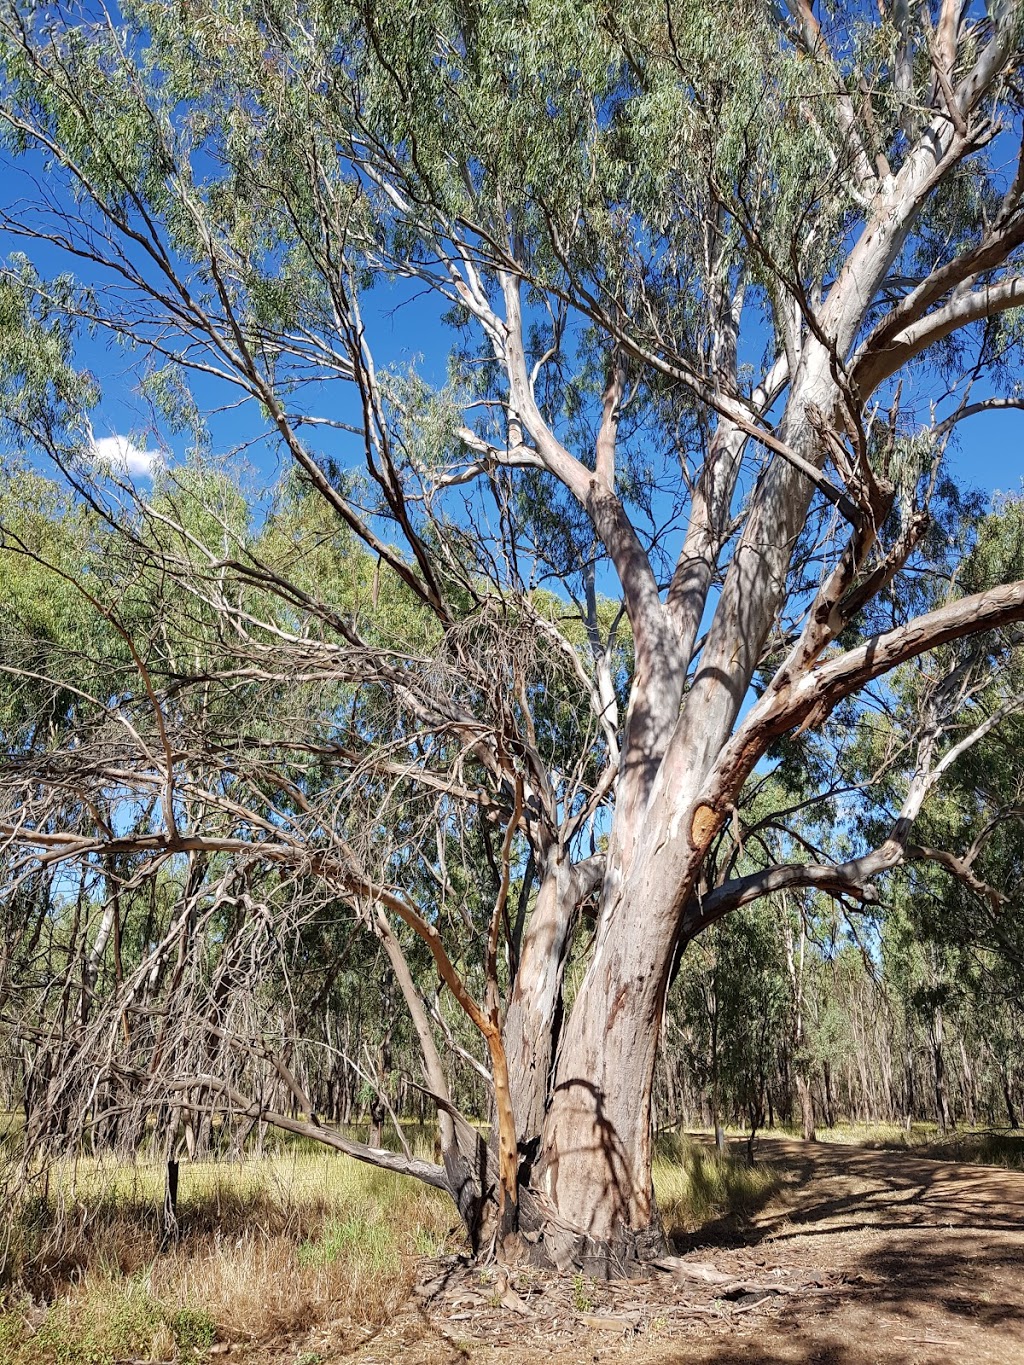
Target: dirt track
(879,1257)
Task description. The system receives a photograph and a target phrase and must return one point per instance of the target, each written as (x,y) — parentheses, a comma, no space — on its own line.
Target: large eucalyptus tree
(719,281)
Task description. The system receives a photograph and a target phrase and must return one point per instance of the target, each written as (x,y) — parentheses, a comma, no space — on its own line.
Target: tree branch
(360,1151)
(890,353)
(808,700)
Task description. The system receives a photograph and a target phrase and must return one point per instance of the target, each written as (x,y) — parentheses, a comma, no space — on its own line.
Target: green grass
(369,1241)
(114,1320)
(696,1185)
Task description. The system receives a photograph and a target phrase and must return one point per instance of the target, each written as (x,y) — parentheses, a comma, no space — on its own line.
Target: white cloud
(122,456)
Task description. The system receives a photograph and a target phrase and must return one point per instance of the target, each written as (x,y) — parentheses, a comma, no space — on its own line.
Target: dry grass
(267,1248)
(981,1148)
(885,1136)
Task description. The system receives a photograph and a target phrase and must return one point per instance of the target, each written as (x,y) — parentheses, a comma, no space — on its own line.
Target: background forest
(802,1011)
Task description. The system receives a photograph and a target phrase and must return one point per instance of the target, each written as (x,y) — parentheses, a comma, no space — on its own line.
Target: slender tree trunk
(671,1097)
(942,1114)
(171,1230)
(866,1087)
(377,1115)
(969,1086)
(830,1107)
(801,1063)
(1011,1112)
(806,1098)
(716,1070)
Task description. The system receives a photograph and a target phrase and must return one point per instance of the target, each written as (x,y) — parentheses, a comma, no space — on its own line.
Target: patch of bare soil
(865,1256)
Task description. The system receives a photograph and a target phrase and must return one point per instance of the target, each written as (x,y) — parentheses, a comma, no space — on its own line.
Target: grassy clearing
(274,1246)
(268,1247)
(980,1146)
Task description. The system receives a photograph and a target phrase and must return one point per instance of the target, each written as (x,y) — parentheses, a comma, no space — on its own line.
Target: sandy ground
(864,1257)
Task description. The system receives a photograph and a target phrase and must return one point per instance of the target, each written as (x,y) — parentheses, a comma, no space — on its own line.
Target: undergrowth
(695,1184)
(276,1245)
(981,1148)
(267,1247)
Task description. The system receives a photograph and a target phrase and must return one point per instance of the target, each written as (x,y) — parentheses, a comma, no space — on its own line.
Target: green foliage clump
(109,1326)
(194,1333)
(369,1241)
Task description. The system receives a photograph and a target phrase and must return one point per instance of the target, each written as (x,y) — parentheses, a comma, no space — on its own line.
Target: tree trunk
(534,1014)
(377,1116)
(1011,1112)
(830,1106)
(596,1154)
(969,1086)
(595,1164)
(942,1114)
(801,1063)
(171,1230)
(803,1090)
(671,1098)
(594,1168)
(595,1159)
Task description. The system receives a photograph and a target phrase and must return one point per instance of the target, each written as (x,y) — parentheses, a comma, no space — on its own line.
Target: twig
(929,1341)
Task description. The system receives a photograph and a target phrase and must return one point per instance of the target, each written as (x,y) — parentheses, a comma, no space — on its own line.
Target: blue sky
(988,452)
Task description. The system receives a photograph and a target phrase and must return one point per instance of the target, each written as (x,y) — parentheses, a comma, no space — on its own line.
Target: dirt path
(863,1257)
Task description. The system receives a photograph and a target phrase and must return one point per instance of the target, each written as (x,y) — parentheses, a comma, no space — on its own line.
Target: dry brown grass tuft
(258,1288)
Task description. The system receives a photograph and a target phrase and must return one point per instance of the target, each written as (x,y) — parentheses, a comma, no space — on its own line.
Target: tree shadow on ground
(933,1255)
(855,1190)
(868,1258)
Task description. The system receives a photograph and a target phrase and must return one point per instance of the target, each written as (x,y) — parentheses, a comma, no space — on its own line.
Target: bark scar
(703,825)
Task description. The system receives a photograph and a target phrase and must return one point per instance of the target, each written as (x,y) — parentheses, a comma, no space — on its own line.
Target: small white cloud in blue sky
(121,455)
